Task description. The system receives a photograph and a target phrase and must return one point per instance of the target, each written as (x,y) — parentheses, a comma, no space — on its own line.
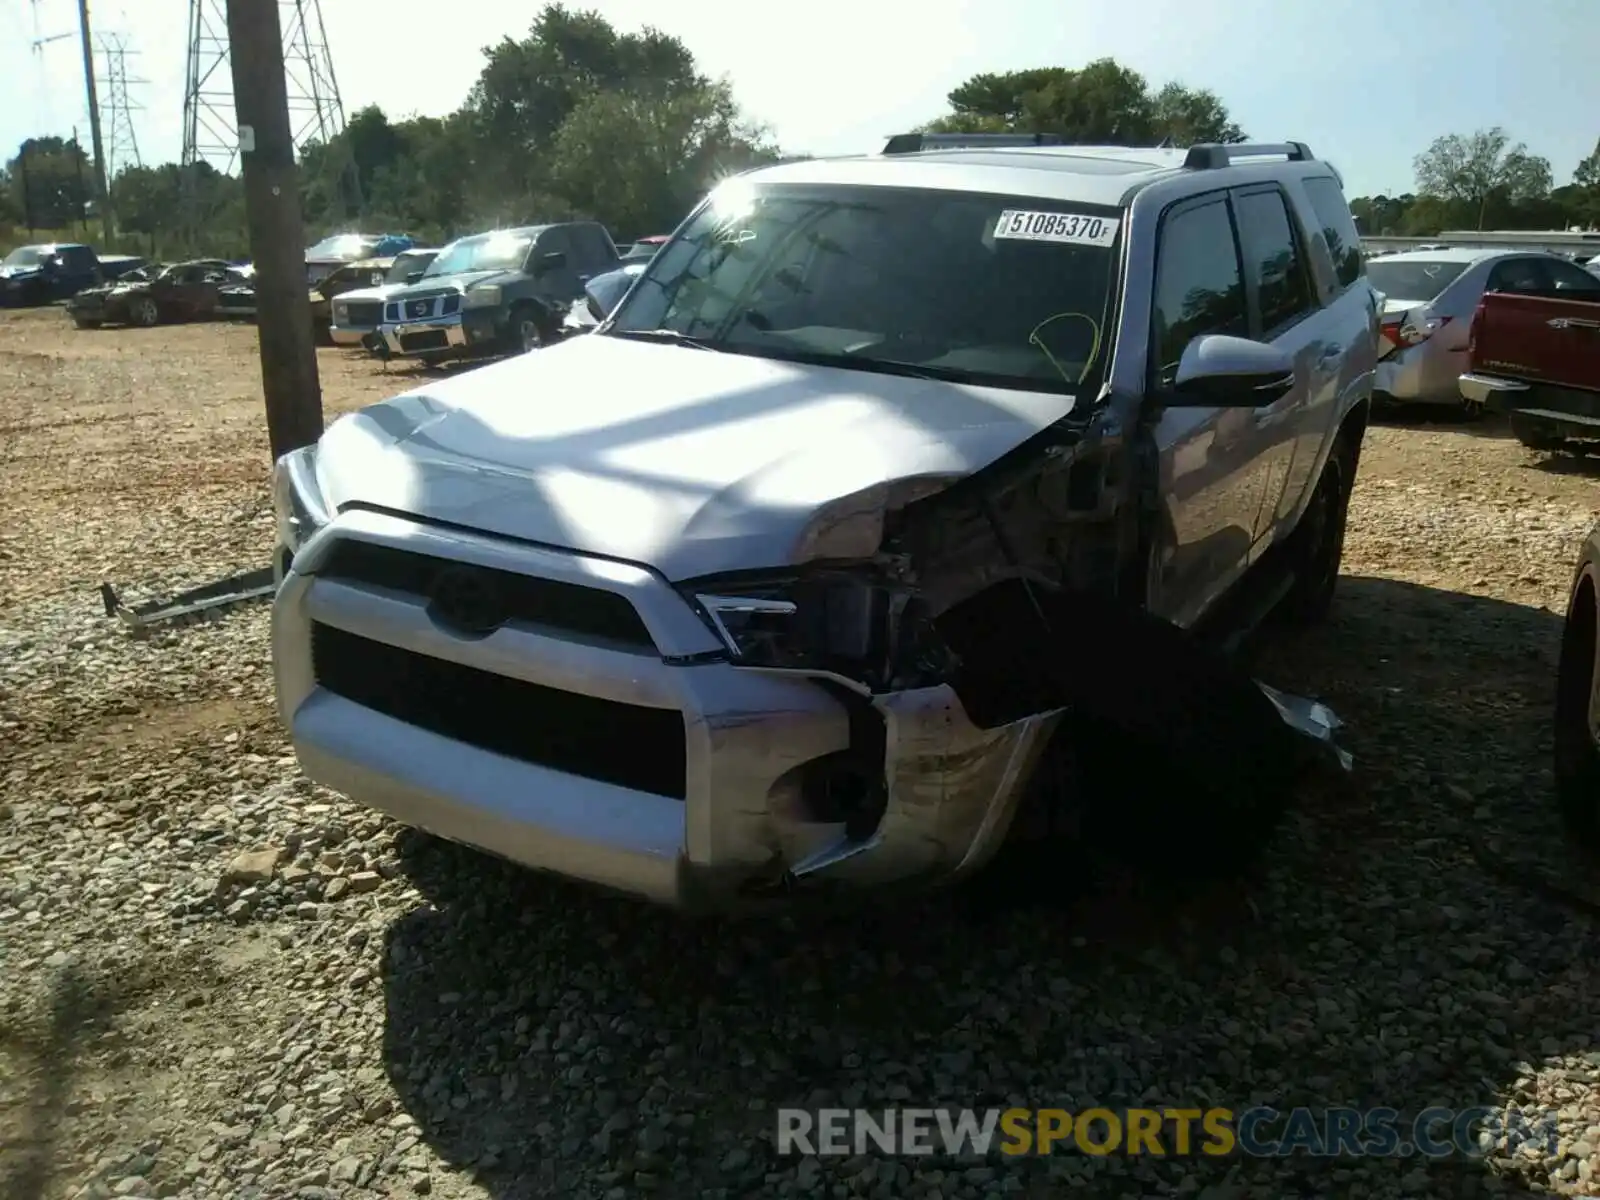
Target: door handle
(1330,358)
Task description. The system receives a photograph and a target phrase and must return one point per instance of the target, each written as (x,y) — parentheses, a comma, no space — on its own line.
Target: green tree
(640,163)
(1474,171)
(1103,102)
(52,183)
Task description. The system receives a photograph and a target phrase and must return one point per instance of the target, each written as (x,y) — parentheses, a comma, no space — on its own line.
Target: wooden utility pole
(277,240)
(102,192)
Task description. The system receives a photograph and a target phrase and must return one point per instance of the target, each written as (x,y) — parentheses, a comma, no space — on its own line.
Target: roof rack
(1213,156)
(912,143)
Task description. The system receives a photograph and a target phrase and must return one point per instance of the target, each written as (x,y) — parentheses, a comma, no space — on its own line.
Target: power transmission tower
(121,141)
(316,113)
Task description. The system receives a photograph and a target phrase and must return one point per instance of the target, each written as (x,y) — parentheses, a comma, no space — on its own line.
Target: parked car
(1593,265)
(236,298)
(364,273)
(185,291)
(1536,356)
(644,249)
(495,293)
(1429,299)
(43,274)
(356,314)
(785,578)
(601,294)
(331,253)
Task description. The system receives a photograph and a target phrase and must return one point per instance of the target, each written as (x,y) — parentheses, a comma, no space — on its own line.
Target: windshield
(1420,279)
(485,252)
(1003,290)
(407,265)
(25,256)
(343,245)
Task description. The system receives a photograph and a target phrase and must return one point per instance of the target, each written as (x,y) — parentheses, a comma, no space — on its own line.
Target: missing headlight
(834,623)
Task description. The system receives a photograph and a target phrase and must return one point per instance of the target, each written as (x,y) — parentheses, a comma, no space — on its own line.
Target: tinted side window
(552,241)
(1273,259)
(1516,275)
(1338,227)
(1199,288)
(1571,278)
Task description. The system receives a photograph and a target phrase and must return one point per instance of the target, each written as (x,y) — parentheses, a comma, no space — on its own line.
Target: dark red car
(184,291)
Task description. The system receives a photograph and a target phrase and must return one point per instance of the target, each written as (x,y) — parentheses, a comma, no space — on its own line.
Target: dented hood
(693,462)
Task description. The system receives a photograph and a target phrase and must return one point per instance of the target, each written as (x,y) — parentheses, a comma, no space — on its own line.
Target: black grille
(588,612)
(577,735)
(428,339)
(358,313)
(391,312)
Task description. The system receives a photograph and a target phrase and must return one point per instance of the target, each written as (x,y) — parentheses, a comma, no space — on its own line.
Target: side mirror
(1218,370)
(553,261)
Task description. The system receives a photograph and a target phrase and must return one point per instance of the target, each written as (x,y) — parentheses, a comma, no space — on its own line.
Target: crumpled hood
(690,461)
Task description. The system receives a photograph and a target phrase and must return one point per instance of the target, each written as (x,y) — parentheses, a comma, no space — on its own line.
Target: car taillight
(1407,329)
(1472,330)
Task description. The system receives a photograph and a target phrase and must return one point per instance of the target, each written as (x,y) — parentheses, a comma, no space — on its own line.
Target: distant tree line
(579,120)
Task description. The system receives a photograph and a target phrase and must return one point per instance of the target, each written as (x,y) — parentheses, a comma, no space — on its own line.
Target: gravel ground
(217,980)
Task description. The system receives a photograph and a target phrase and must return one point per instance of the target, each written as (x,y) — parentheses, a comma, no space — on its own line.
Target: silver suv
(668,607)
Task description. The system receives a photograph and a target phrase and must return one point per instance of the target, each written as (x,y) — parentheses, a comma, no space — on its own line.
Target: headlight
(828,622)
(482,297)
(339,311)
(296,499)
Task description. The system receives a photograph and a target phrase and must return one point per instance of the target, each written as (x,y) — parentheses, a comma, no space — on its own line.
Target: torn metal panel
(1312,718)
(234,590)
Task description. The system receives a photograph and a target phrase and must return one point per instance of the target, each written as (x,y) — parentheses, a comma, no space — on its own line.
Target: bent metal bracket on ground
(248,587)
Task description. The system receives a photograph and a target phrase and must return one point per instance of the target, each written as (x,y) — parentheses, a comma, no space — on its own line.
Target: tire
(86,322)
(525,330)
(1533,436)
(1316,548)
(144,313)
(1577,738)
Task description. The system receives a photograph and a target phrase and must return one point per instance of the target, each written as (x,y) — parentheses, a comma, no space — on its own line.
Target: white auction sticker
(1071,228)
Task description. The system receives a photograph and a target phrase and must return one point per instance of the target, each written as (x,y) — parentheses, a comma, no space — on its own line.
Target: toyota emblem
(467,600)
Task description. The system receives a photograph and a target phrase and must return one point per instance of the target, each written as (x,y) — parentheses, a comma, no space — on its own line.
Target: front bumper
(735,837)
(350,335)
(435,335)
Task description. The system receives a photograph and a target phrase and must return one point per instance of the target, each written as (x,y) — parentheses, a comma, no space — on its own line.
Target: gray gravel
(218,980)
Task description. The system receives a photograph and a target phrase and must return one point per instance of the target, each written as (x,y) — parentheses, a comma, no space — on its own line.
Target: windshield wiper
(670,336)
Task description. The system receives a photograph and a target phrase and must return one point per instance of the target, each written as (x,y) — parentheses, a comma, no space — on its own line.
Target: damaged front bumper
(731,820)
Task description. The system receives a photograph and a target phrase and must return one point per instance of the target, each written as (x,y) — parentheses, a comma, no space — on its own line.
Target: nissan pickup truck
(1536,358)
(882,522)
(506,291)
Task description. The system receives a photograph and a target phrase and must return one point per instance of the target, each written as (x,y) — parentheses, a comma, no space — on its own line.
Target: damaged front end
(980,631)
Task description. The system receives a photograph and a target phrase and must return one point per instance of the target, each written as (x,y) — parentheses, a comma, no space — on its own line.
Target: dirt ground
(150,1031)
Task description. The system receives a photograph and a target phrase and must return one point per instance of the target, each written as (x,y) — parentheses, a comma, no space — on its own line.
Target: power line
(121,139)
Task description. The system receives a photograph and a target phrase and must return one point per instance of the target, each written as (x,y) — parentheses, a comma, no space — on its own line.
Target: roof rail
(912,143)
(1213,156)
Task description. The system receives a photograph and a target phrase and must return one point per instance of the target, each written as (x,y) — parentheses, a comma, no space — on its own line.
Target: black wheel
(1577,756)
(527,330)
(144,313)
(1316,548)
(1533,436)
(86,322)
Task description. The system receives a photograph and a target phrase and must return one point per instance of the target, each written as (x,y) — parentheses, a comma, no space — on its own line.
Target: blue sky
(1368,85)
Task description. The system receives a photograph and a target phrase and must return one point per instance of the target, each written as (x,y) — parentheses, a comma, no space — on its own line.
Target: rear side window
(1566,278)
(1272,259)
(1199,287)
(1517,275)
(1338,227)
(1418,279)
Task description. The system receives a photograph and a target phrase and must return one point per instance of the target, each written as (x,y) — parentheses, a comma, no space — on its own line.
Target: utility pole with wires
(122,142)
(101,191)
(266,145)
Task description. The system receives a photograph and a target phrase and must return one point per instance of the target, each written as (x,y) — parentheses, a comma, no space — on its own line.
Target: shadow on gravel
(557,1042)
(1440,417)
(1570,464)
(43,1068)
